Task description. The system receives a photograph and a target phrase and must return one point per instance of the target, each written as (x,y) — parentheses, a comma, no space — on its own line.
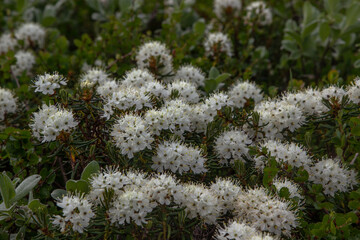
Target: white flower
(241,93)
(333,92)
(7,43)
(131,135)
(31,33)
(284,153)
(224,8)
(77,211)
(259,12)
(235,231)
(47,83)
(24,63)
(156,89)
(7,102)
(138,78)
(186,91)
(191,74)
(200,202)
(94,76)
(266,213)
(232,145)
(353,91)
(107,89)
(226,191)
(178,158)
(49,121)
(155,57)
(332,176)
(217,43)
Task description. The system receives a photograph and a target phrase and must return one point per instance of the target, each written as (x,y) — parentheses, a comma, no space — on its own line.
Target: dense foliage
(179,119)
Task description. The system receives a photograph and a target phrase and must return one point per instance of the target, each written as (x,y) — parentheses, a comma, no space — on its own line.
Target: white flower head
(242,92)
(353,91)
(224,8)
(7,102)
(32,34)
(191,74)
(25,61)
(7,43)
(258,11)
(218,43)
(48,83)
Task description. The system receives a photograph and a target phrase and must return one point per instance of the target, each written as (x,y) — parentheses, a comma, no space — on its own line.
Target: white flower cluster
(285,153)
(259,12)
(155,57)
(232,145)
(333,92)
(227,192)
(173,116)
(47,83)
(332,176)
(93,76)
(178,158)
(217,43)
(138,78)
(354,91)
(276,116)
(309,101)
(156,89)
(185,90)
(7,43)
(191,74)
(265,212)
(125,98)
(25,61)
(293,188)
(224,8)
(242,92)
(7,103)
(201,202)
(50,121)
(32,34)
(77,211)
(240,231)
(131,135)
(107,88)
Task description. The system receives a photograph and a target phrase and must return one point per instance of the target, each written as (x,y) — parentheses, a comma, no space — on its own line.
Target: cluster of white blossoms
(25,61)
(242,92)
(277,116)
(178,157)
(156,89)
(353,91)
(7,102)
(191,74)
(265,212)
(332,176)
(155,57)
(240,231)
(224,8)
(131,135)
(125,98)
(333,92)
(107,88)
(93,76)
(227,192)
(201,202)
(258,11)
(185,90)
(294,189)
(47,83)
(309,101)
(50,121)
(285,153)
(7,43)
(32,34)
(217,43)
(77,211)
(232,145)
(138,78)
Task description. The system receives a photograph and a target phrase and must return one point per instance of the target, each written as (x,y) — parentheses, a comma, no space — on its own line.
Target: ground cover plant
(179,119)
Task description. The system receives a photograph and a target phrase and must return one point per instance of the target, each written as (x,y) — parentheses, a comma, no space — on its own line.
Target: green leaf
(357,64)
(214,73)
(210,85)
(26,186)
(7,189)
(332,228)
(269,174)
(125,5)
(79,186)
(36,206)
(351,217)
(58,193)
(199,28)
(91,168)
(324,31)
(222,77)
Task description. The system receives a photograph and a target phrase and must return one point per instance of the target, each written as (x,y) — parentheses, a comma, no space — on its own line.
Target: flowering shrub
(179,119)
